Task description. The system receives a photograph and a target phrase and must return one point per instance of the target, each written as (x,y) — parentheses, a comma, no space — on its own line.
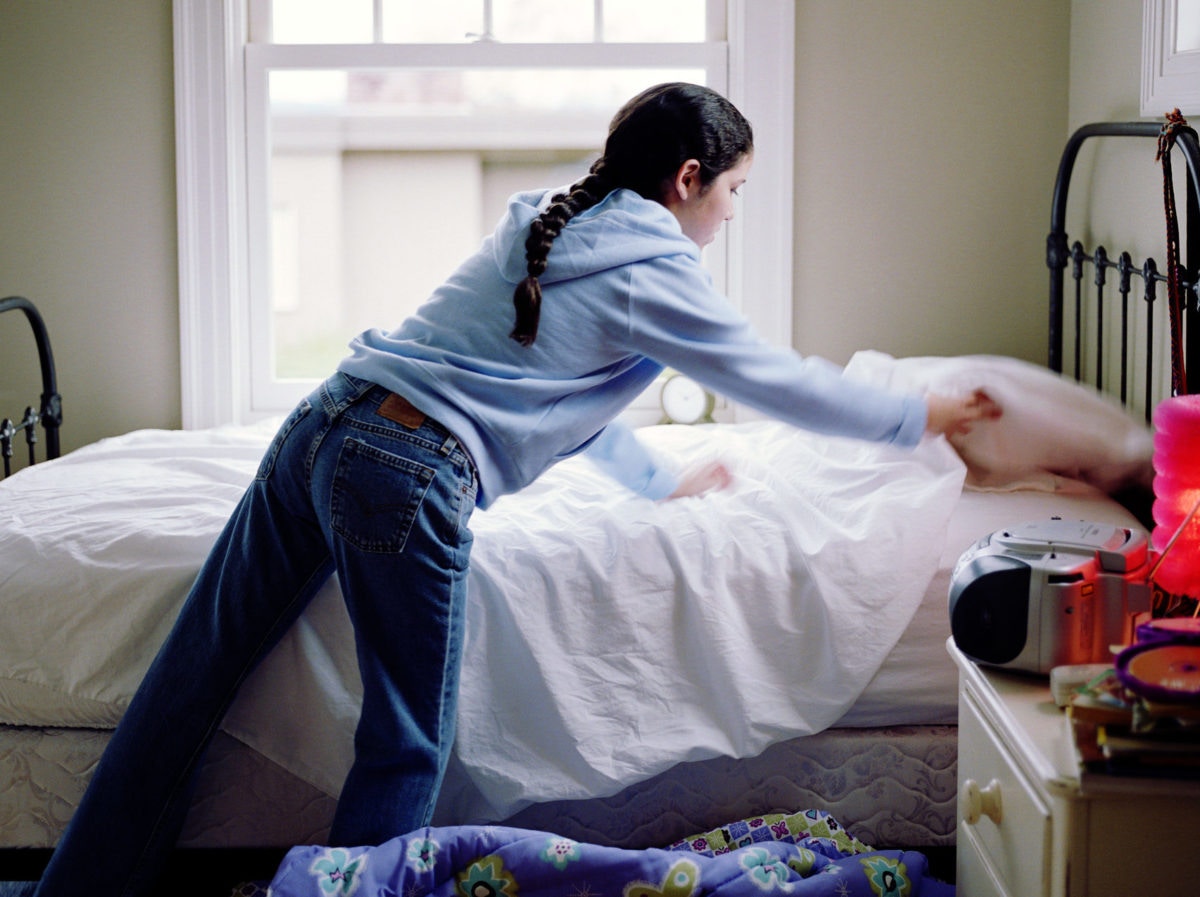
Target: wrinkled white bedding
(609,637)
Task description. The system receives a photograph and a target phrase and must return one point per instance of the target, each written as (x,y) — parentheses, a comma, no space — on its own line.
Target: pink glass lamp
(1176,533)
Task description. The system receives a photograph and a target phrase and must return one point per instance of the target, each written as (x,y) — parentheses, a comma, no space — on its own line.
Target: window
(333,170)
(1170,57)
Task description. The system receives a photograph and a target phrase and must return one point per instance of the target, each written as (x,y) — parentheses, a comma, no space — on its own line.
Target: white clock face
(684,401)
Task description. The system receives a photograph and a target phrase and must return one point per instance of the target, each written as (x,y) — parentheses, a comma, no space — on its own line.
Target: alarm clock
(684,401)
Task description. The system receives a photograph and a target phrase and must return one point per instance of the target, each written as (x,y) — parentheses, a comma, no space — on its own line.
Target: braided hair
(649,138)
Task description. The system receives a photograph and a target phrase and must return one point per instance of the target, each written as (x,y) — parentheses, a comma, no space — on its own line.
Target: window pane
(382,182)
(321,21)
(369,236)
(421,22)
(513,21)
(1187,26)
(660,21)
(465,92)
(561,92)
(540,21)
(308,89)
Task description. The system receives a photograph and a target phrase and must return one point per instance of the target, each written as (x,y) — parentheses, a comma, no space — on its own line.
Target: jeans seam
(446,445)
(192,766)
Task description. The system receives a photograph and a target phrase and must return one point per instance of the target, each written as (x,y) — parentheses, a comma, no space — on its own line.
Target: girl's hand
(955,415)
(702,479)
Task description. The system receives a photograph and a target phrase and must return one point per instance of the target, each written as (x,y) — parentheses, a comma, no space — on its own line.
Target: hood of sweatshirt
(621,229)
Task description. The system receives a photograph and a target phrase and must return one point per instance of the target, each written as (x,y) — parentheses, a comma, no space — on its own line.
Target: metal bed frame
(1058,256)
(49,413)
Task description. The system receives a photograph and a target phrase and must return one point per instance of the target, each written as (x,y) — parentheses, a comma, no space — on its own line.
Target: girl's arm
(954,415)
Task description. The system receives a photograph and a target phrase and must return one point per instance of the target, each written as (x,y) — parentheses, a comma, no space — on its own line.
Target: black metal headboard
(1058,256)
(49,413)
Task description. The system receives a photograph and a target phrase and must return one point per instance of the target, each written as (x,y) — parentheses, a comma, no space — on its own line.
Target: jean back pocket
(376,496)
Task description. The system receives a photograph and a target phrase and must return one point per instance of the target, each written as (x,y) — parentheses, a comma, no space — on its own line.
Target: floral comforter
(803,854)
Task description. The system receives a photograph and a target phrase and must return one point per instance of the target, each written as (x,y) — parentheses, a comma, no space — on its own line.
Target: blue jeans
(356,481)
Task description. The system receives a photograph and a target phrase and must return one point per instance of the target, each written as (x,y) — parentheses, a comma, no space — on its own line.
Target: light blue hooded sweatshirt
(623,295)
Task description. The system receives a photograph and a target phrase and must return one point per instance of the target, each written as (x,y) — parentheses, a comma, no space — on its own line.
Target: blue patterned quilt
(769,855)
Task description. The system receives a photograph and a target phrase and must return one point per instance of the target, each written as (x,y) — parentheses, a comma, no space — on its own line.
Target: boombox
(1045,594)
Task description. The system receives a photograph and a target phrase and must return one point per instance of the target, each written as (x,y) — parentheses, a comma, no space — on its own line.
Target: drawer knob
(978,802)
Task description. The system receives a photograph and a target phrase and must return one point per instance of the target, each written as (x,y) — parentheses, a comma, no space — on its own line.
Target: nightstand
(1030,825)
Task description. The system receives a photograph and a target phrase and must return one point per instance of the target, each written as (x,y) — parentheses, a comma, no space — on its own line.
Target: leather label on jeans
(399,409)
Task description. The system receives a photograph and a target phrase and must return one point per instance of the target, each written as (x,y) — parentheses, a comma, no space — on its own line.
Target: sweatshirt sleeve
(619,454)
(679,320)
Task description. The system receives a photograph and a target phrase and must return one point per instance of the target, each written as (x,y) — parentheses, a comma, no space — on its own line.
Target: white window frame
(214,173)
(1170,79)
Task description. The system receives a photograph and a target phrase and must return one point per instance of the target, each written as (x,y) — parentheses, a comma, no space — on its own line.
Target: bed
(635,673)
(47,415)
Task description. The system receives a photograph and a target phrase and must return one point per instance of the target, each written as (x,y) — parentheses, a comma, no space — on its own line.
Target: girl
(523,357)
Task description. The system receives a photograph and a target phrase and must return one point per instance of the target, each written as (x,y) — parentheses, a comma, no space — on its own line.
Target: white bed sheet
(691,629)
(918,682)
(609,637)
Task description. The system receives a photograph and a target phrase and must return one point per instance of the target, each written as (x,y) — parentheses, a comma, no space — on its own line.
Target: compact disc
(1170,629)
(1162,671)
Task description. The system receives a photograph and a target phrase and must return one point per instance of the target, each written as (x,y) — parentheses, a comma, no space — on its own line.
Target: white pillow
(1051,426)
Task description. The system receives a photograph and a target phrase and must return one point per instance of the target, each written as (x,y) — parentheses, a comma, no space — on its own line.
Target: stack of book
(1121,733)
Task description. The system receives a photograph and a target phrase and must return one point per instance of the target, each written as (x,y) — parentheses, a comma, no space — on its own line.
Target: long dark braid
(649,139)
(527,299)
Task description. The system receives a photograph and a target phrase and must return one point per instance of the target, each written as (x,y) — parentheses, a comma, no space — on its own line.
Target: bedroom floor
(200,873)
(191,873)
(941,862)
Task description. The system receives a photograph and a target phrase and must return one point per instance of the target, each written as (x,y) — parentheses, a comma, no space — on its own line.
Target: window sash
(1170,76)
(269,394)
(213,60)
(261,30)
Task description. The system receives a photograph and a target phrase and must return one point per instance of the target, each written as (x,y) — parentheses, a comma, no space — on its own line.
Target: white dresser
(1030,826)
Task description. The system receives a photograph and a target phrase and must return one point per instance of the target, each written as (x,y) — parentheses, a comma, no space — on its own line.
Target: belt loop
(449,445)
(329,404)
(340,391)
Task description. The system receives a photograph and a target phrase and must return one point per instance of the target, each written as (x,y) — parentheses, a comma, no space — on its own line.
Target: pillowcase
(1051,426)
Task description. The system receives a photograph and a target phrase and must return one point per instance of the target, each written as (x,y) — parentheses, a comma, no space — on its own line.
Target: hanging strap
(1166,140)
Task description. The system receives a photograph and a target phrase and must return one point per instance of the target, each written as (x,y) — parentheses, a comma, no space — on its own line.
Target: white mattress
(887,770)
(917,682)
(242,799)
(812,594)
(722,622)
(894,787)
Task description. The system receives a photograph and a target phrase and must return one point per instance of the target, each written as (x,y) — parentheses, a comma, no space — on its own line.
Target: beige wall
(927,135)
(87,202)
(1122,204)
(1105,86)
